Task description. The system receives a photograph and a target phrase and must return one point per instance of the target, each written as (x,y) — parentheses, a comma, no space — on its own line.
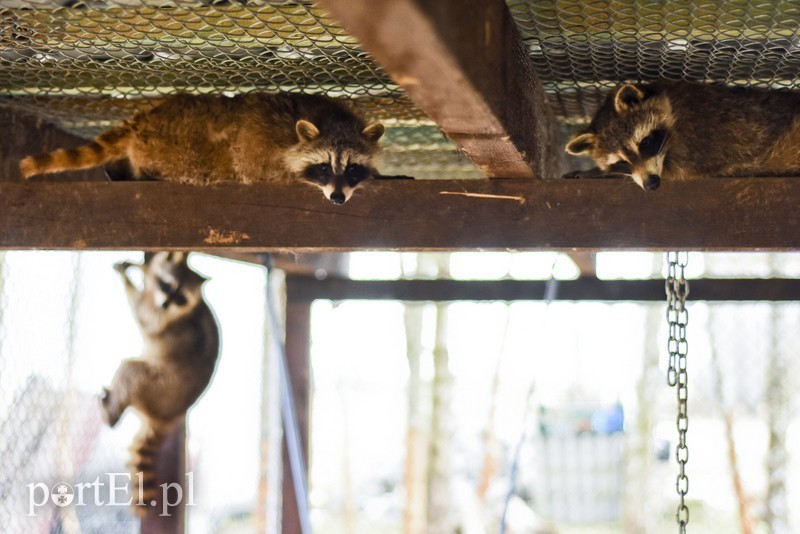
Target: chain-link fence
(65,325)
(580,49)
(50,425)
(87,64)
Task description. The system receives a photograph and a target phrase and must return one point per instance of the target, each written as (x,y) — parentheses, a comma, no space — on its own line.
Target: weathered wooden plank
(709,290)
(718,214)
(463,63)
(298,359)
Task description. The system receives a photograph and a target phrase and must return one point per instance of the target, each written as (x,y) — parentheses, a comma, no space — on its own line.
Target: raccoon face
(175,287)
(629,135)
(337,180)
(336,163)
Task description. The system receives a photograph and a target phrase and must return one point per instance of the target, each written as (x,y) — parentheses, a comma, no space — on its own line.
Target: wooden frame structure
(463,63)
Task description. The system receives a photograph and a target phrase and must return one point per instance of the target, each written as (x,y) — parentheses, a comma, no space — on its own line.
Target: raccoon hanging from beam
(246,138)
(181,346)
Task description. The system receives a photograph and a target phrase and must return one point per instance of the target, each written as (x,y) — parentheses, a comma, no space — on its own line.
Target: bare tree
(415,515)
(778,403)
(637,505)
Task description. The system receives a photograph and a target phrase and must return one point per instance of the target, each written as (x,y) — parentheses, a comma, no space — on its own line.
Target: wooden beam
(464,64)
(582,289)
(718,214)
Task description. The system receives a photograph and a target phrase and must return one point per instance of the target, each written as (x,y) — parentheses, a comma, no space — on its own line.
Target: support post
(170,469)
(298,315)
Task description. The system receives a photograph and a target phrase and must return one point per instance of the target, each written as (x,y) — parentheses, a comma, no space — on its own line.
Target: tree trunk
(440,516)
(415,515)
(637,506)
(778,406)
(726,410)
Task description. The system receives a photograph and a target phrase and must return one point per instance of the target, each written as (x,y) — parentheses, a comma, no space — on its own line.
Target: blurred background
(421,410)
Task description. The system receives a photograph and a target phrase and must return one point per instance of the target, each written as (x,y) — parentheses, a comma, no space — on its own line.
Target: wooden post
(298,315)
(464,64)
(171,470)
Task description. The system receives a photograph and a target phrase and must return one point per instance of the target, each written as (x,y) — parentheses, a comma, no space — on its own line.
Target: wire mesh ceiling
(87,64)
(581,49)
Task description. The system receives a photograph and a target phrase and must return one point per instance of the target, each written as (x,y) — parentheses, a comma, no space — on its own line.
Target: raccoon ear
(201,279)
(581,143)
(627,98)
(373,131)
(306,131)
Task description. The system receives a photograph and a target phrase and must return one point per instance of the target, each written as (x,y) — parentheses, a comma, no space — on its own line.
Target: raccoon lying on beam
(247,138)
(680,131)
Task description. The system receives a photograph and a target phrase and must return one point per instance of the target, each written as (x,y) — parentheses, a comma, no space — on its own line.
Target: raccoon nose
(337,198)
(652,182)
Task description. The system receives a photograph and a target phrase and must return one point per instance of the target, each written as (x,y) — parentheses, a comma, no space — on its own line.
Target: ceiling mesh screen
(582,49)
(87,64)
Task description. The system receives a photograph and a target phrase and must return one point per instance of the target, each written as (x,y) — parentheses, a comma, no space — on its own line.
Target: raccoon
(681,131)
(246,138)
(181,346)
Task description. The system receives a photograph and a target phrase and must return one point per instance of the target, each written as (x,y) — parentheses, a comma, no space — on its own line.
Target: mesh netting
(581,49)
(65,326)
(87,64)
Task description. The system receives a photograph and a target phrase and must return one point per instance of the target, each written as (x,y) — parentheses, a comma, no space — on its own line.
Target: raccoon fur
(682,131)
(246,138)
(181,346)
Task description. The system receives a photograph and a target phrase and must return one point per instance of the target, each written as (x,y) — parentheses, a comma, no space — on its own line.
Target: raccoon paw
(122,266)
(110,408)
(572,175)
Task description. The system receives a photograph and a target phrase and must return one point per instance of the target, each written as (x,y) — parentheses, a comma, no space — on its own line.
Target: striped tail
(109,146)
(144,456)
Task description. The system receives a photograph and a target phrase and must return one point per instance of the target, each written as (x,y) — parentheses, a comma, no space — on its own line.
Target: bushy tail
(144,456)
(109,146)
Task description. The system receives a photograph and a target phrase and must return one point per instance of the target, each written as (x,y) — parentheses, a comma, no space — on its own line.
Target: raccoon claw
(122,266)
(110,410)
(572,175)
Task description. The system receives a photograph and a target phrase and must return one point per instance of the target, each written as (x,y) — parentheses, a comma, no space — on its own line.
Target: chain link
(678,317)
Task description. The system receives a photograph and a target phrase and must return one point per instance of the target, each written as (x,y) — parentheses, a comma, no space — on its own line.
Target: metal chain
(678,317)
